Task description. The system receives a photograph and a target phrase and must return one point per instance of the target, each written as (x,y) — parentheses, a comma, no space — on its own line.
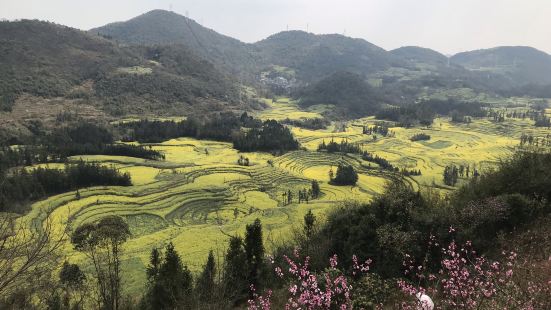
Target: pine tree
(206,281)
(172,287)
(254,251)
(315,189)
(235,272)
(154,265)
(309,222)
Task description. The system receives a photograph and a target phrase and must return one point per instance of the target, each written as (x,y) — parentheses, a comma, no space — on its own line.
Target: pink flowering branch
(307,290)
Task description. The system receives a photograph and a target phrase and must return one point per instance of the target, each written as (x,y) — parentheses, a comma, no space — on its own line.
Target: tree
(346,175)
(171,288)
(206,282)
(315,189)
(72,281)
(235,272)
(102,243)
(154,265)
(309,222)
(254,252)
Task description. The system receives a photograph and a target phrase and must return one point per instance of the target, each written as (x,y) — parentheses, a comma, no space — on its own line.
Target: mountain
(159,27)
(348,91)
(316,56)
(520,64)
(41,62)
(420,54)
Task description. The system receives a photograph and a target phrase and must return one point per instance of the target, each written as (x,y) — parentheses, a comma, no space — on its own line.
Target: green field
(190,197)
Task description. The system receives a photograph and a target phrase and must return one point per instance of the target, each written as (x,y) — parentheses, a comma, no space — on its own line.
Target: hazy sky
(448,26)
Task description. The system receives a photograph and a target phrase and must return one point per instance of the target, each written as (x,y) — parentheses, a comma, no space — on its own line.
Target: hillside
(520,64)
(315,56)
(45,60)
(349,92)
(159,27)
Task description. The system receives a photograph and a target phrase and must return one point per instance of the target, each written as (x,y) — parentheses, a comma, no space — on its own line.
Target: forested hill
(49,60)
(315,56)
(521,64)
(159,27)
(312,57)
(349,92)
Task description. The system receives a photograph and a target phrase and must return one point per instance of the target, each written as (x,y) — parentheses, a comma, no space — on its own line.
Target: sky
(448,26)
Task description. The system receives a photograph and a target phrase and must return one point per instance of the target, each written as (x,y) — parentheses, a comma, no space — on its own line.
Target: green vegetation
(138,173)
(345,90)
(345,176)
(22,186)
(419,137)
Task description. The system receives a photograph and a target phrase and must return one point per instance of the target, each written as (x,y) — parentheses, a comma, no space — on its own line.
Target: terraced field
(191,197)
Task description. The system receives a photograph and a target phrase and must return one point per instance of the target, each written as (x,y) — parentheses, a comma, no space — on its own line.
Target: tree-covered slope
(348,91)
(159,27)
(315,56)
(521,64)
(48,60)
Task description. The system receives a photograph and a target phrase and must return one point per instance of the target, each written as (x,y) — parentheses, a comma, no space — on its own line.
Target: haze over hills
(161,61)
(420,54)
(311,56)
(315,56)
(519,63)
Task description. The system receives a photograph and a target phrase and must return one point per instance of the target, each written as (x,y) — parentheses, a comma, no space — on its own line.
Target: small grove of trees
(424,112)
(346,175)
(91,139)
(303,195)
(530,140)
(380,129)
(23,186)
(542,120)
(343,147)
(80,139)
(420,137)
(458,117)
(382,162)
(270,137)
(171,285)
(452,173)
(216,126)
(308,123)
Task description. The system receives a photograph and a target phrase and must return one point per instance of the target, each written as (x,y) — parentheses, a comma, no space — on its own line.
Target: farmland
(199,195)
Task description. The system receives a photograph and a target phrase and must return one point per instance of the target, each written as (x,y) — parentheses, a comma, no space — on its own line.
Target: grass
(190,197)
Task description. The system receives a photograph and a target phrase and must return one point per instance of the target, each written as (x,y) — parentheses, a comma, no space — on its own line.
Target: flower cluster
(465,279)
(307,290)
(259,302)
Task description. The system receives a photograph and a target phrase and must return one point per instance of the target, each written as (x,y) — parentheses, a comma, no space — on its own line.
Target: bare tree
(27,254)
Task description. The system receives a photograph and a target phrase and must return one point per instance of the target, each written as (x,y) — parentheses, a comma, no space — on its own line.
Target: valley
(199,196)
(155,163)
